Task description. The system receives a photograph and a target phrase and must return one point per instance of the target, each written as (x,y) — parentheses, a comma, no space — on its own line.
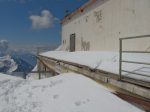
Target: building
(98,25)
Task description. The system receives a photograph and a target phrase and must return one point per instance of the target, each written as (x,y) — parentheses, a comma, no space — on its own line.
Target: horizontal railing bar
(135,73)
(136,62)
(30,72)
(136,51)
(133,37)
(39,72)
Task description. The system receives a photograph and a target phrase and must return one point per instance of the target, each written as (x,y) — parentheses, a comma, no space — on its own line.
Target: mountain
(17,63)
(7,64)
(25,61)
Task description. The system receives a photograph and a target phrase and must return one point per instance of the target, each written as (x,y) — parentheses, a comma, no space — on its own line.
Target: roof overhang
(77,11)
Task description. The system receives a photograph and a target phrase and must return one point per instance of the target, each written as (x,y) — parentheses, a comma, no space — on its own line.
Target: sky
(29,22)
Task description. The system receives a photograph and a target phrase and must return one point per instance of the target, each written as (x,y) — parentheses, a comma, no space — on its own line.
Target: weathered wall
(101,25)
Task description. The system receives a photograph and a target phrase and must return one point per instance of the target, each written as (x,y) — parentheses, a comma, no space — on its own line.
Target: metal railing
(25,74)
(121,51)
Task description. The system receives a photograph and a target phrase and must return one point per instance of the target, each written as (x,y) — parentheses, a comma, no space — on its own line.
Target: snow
(6,62)
(64,93)
(106,61)
(33,76)
(59,48)
(35,68)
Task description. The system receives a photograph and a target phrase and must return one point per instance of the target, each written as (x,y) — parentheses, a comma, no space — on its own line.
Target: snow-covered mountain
(25,61)
(7,64)
(12,60)
(17,63)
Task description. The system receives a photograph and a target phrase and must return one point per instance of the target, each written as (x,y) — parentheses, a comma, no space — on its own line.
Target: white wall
(117,19)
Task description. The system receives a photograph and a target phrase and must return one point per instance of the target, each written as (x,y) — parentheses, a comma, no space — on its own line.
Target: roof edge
(77,11)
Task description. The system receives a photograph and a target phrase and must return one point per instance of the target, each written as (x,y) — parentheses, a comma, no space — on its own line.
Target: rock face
(25,61)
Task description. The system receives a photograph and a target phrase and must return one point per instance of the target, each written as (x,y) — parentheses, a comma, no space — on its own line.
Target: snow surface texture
(64,93)
(106,61)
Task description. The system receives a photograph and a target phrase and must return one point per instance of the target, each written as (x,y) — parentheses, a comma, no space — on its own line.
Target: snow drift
(64,93)
(106,61)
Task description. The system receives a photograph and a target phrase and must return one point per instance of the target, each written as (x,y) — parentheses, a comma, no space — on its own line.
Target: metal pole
(45,70)
(141,36)
(24,75)
(120,58)
(38,63)
(39,70)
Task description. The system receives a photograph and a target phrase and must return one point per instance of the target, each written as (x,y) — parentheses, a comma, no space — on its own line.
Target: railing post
(120,59)
(38,63)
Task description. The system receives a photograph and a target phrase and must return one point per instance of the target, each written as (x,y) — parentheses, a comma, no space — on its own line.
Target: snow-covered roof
(64,93)
(106,61)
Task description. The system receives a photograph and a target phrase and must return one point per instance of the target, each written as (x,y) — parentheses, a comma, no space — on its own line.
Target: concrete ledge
(131,88)
(62,67)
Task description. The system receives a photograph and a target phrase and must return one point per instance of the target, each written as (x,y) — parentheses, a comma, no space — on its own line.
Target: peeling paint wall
(85,45)
(100,26)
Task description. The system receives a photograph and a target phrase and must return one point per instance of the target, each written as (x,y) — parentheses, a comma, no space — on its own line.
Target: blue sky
(33,21)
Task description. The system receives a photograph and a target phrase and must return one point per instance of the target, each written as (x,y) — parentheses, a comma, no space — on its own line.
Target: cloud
(3,46)
(45,20)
